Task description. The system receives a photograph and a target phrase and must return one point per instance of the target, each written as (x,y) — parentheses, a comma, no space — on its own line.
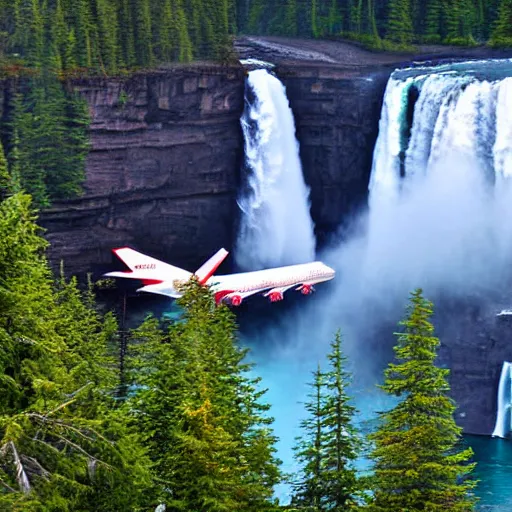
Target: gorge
(163,174)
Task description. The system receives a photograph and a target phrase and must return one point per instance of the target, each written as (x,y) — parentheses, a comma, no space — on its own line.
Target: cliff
(166,149)
(337,114)
(162,172)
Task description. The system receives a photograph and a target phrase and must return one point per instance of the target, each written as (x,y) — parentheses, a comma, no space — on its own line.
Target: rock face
(166,149)
(337,114)
(162,172)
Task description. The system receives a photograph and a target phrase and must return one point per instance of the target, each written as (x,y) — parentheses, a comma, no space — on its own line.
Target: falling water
(503,414)
(440,203)
(275,226)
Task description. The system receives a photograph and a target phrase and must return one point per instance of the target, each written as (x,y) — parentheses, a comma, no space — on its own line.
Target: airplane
(164,279)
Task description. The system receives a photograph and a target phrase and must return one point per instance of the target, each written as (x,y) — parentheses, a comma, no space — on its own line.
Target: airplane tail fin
(147,269)
(206,270)
(159,277)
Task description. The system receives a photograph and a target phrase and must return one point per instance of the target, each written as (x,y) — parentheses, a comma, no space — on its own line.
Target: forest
(384,24)
(105,36)
(182,424)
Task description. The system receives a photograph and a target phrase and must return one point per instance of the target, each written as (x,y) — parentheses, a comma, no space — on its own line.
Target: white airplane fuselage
(164,279)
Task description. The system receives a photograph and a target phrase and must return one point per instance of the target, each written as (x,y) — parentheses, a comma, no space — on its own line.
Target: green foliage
(399,22)
(502,33)
(107,35)
(49,141)
(5,178)
(417,462)
(199,412)
(399,29)
(330,444)
(62,446)
(460,21)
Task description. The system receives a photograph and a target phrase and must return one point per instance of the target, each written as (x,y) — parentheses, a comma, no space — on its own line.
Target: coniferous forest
(182,424)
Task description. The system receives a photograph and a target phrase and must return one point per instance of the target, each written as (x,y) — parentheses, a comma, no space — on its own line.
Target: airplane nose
(328,270)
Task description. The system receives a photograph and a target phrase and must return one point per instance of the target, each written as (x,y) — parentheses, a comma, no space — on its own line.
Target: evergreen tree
(459,16)
(5,178)
(341,441)
(309,486)
(290,18)
(52,143)
(141,16)
(417,463)
(502,33)
(433,22)
(330,444)
(126,33)
(399,27)
(200,415)
(62,449)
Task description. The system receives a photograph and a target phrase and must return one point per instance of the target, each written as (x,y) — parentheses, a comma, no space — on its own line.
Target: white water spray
(276,227)
(440,204)
(503,414)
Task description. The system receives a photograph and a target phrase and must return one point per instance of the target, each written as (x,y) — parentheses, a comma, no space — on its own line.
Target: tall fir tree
(433,24)
(399,26)
(309,485)
(418,464)
(330,444)
(460,17)
(5,178)
(502,33)
(200,414)
(341,439)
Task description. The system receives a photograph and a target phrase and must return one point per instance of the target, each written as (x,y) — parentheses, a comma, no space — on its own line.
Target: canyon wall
(162,172)
(166,149)
(337,112)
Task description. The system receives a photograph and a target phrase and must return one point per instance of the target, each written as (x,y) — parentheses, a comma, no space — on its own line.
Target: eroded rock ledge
(162,171)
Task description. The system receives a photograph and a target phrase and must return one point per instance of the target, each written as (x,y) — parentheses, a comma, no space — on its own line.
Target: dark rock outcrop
(337,114)
(162,171)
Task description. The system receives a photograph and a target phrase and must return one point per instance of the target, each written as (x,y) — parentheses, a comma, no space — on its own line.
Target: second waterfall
(275,227)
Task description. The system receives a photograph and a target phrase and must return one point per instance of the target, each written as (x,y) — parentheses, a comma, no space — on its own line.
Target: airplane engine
(306,289)
(235,299)
(275,295)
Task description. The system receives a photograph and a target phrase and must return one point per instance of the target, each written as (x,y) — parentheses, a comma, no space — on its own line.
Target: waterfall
(275,226)
(503,414)
(439,187)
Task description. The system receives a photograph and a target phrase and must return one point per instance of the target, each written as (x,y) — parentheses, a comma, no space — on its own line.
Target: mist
(439,218)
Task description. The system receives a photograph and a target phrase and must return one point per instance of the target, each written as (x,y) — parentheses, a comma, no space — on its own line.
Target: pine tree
(309,486)
(5,178)
(105,22)
(126,34)
(433,22)
(341,441)
(290,18)
(62,448)
(459,17)
(200,414)
(330,444)
(141,16)
(502,33)
(399,26)
(417,462)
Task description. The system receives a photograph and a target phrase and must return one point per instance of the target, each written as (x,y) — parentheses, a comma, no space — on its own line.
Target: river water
(494,470)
